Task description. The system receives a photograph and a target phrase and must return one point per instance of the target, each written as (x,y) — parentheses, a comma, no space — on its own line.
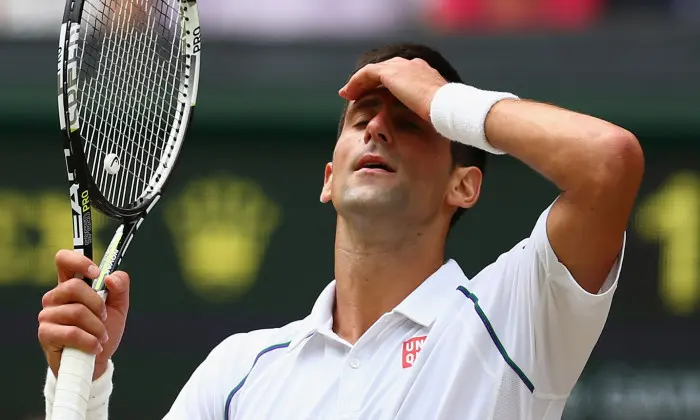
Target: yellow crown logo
(221,226)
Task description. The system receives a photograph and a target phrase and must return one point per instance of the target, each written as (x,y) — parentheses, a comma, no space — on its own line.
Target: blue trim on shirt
(494,338)
(240,384)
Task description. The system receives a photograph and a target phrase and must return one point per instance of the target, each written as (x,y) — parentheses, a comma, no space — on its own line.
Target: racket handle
(74,381)
(73,385)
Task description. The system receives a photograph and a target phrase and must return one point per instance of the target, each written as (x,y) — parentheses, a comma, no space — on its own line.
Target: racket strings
(131,72)
(122,118)
(138,179)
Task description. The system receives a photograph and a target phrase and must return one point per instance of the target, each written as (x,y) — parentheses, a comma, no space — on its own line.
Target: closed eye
(361,124)
(406,124)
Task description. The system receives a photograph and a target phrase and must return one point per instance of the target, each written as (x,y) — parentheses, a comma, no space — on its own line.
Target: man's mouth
(373,163)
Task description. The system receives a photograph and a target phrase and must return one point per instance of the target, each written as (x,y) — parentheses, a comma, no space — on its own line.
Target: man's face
(388,162)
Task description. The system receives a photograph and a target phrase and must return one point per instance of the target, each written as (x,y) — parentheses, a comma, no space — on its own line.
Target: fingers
(71,315)
(367,78)
(75,291)
(61,336)
(71,264)
(399,75)
(376,75)
(118,284)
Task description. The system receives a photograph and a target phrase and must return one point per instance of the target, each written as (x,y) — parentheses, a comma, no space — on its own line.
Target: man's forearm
(578,153)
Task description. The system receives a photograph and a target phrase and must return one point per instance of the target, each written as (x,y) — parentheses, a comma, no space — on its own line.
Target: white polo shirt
(508,344)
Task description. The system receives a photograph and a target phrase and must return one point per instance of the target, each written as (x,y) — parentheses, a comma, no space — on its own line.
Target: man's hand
(412,82)
(75,316)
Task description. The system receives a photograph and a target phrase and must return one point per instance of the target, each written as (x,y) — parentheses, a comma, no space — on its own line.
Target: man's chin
(373,200)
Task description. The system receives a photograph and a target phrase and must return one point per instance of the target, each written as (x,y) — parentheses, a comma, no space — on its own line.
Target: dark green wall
(240,242)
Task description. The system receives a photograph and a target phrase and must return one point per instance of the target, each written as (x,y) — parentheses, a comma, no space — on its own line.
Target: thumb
(118,287)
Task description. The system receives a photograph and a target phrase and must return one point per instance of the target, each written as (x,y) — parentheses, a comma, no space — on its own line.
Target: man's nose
(378,129)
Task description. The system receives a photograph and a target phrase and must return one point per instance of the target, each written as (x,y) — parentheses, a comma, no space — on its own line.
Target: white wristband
(100,392)
(458,112)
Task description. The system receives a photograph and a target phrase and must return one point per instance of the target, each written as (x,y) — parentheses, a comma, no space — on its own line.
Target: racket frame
(75,373)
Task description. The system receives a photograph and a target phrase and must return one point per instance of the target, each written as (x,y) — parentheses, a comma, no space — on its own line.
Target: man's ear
(464,187)
(327,179)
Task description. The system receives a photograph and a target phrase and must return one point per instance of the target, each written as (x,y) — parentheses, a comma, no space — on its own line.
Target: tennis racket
(128,73)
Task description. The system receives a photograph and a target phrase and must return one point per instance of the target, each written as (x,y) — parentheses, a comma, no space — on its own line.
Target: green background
(241,242)
(258,190)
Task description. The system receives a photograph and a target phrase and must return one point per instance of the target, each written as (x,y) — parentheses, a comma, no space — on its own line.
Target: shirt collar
(425,303)
(321,314)
(422,306)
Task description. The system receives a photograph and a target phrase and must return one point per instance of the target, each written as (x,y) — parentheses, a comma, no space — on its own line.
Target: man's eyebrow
(367,102)
(373,101)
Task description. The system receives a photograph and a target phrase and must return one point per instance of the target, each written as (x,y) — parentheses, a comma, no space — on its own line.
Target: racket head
(128,75)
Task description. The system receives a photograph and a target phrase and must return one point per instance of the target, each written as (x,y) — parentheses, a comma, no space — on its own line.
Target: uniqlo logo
(410,350)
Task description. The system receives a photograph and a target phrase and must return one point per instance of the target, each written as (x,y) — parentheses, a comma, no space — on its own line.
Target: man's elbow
(620,165)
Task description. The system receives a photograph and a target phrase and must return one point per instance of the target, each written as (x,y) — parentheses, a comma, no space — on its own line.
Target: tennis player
(402,333)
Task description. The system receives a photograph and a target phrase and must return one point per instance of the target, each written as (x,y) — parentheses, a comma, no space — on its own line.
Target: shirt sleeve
(565,321)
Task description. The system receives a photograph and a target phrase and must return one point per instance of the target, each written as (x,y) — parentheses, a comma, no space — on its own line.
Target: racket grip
(73,385)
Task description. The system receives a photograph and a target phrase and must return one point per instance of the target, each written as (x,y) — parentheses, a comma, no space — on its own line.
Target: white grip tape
(74,382)
(73,385)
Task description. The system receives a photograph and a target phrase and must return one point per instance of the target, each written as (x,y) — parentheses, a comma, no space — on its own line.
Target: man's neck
(375,274)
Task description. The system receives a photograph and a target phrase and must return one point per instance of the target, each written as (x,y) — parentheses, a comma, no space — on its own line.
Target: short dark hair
(462,155)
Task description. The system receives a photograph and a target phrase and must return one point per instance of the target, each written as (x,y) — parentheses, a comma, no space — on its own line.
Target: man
(400,333)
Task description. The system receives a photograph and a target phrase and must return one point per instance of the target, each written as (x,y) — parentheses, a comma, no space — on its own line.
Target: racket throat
(110,259)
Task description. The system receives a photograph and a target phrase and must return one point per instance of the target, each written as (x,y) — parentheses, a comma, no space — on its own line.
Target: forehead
(376,98)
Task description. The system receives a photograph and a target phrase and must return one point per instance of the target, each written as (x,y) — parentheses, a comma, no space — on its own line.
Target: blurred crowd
(285,19)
